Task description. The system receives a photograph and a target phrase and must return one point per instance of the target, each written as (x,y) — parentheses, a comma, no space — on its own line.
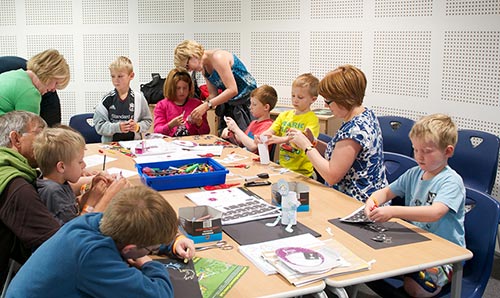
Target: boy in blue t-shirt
(434,197)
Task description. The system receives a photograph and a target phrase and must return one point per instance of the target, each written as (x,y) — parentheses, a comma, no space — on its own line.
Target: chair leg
(497,253)
(13,267)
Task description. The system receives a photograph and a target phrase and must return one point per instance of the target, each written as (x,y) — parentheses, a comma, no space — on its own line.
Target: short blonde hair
(345,85)
(266,95)
(170,85)
(139,215)
(122,63)
(53,145)
(307,80)
(185,50)
(48,65)
(436,128)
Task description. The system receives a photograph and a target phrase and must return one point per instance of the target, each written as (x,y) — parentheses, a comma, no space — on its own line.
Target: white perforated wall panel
(469,8)
(161,11)
(99,51)
(327,9)
(401,63)
(92,98)
(8,45)
(49,12)
(217,11)
(471,67)
(68,104)
(105,12)
(8,13)
(403,8)
(153,58)
(275,57)
(265,10)
(328,50)
(228,41)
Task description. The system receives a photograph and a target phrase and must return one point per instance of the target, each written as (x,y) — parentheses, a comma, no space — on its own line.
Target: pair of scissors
(221,244)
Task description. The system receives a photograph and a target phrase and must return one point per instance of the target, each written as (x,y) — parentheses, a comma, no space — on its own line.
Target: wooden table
(325,204)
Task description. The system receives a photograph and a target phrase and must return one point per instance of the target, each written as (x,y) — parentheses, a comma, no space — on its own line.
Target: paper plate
(183,143)
(300,256)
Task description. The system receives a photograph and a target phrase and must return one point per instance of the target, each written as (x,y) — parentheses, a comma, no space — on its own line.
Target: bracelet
(179,237)
(84,188)
(87,208)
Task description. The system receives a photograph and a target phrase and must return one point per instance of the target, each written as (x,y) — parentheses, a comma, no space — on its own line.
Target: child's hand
(231,124)
(225,133)
(124,127)
(184,248)
(132,125)
(177,121)
(139,262)
(380,214)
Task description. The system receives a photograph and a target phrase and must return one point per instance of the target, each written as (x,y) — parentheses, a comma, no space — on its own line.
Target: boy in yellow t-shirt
(304,94)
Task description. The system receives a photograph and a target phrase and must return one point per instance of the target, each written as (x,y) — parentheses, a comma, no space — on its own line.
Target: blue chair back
(476,159)
(395,130)
(81,124)
(395,165)
(481,228)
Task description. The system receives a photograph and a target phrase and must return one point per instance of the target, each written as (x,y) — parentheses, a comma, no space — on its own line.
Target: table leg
(456,280)
(340,292)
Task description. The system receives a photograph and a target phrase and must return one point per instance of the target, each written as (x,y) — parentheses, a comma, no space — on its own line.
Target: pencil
(375,201)
(186,259)
(104,163)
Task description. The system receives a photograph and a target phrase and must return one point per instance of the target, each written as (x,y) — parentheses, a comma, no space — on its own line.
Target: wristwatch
(209,103)
(308,149)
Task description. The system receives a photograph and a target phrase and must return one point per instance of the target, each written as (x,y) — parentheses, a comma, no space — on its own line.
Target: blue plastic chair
(80,123)
(480,237)
(323,140)
(476,159)
(395,165)
(395,130)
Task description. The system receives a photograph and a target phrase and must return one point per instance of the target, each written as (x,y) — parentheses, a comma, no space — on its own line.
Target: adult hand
(184,248)
(299,139)
(198,112)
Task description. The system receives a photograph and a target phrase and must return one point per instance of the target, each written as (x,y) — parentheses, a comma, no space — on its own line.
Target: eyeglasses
(152,250)
(328,102)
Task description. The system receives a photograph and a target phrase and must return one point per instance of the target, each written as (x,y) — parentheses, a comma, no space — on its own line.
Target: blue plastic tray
(218,176)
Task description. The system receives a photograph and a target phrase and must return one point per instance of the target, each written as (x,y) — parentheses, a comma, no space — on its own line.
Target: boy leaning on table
(434,197)
(106,254)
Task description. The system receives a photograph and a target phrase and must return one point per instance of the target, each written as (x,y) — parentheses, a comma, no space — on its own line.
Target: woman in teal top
(23,90)
(222,71)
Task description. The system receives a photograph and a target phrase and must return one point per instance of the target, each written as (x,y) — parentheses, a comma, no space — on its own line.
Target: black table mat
(399,234)
(256,231)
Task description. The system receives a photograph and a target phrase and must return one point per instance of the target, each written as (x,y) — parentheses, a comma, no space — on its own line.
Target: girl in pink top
(172,114)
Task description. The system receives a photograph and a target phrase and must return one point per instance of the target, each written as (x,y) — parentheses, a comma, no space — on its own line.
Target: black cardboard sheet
(256,231)
(398,234)
(183,277)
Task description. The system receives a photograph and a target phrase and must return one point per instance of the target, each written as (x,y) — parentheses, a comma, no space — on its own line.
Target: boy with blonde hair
(59,153)
(434,197)
(304,94)
(106,254)
(123,113)
(262,101)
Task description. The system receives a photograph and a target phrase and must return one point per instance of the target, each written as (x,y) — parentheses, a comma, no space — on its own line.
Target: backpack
(153,91)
